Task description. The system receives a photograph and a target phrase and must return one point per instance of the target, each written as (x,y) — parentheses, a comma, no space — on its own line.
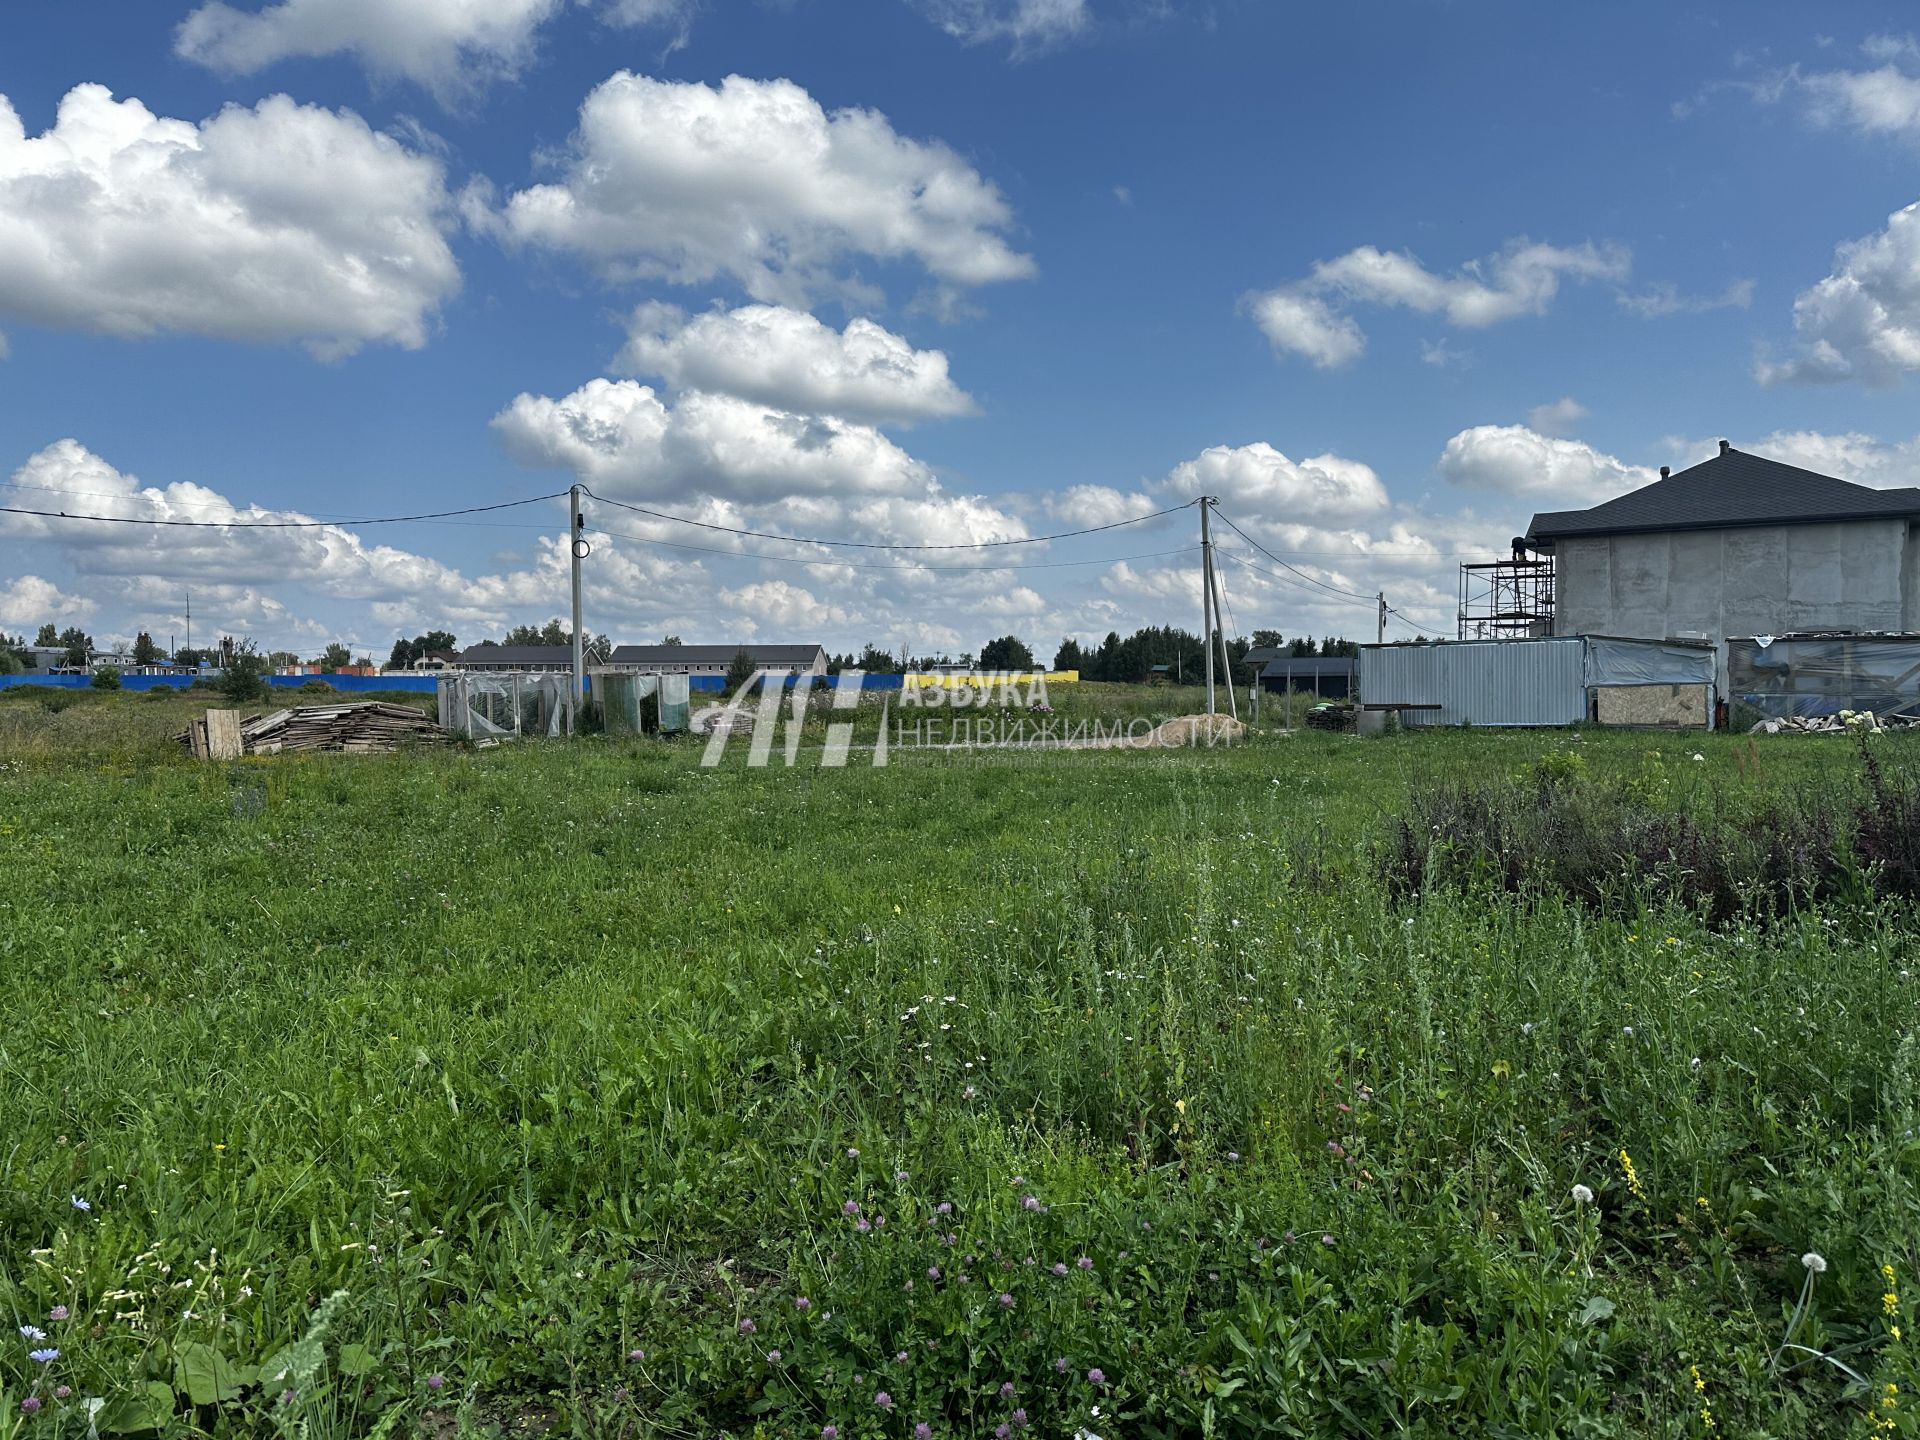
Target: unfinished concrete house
(1736,546)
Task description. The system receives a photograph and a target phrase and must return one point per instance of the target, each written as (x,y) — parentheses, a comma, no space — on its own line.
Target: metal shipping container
(1545,681)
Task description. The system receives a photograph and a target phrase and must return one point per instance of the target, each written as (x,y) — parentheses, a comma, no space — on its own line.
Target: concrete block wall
(1757,580)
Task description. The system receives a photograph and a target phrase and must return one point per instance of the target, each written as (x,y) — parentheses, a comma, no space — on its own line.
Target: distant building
(1330,677)
(716,659)
(520,658)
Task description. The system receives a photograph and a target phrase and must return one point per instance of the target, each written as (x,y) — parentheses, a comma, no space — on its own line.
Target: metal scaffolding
(1507,599)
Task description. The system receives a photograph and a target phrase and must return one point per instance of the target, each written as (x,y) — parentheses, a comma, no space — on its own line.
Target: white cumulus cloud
(1862,322)
(1557,418)
(1522,279)
(283,222)
(755,180)
(786,358)
(1259,481)
(450,47)
(1512,460)
(28,601)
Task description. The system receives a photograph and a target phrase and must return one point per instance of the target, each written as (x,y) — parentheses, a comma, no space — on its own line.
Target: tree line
(1123,660)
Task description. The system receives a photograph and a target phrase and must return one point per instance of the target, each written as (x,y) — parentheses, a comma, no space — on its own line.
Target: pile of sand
(1197,730)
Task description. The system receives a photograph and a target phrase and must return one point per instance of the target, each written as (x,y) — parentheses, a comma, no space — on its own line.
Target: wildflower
(1020,1418)
(1233,1157)
(1326,1240)
(1060,1269)
(636,1356)
(803,1304)
(968,1093)
(883,1400)
(1030,1203)
(1002,1431)
(1085,1262)
(945,1207)
(773,1357)
(1627,1030)
(30,1404)
(923,1431)
(43,1357)
(747,1327)
(901,1176)
(61,1392)
(59,1312)
(852,1207)
(829,1432)
(1633,1175)
(77,1203)
(1061,1365)
(933,1272)
(863,1225)
(899,1357)
(1582,1195)
(436,1382)
(1815,1261)
(1096,1376)
(852,1154)
(32,1332)
(1694,1065)
(1006,1301)
(1006,1390)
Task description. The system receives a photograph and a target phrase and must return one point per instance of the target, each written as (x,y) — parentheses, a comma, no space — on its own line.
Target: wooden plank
(223,735)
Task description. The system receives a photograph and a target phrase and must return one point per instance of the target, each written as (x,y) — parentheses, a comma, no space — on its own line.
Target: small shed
(1329,677)
(1551,680)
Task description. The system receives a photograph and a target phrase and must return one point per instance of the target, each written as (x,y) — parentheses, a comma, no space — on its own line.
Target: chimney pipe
(1665,471)
(1724,447)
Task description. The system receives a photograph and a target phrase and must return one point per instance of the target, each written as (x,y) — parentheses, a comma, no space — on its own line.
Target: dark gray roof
(517,655)
(713,654)
(1261,654)
(1297,666)
(1732,489)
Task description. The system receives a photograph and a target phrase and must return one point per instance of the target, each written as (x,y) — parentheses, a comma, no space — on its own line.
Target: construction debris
(367,728)
(1846,722)
(721,720)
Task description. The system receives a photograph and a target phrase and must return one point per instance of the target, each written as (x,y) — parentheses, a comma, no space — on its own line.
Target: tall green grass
(561,1066)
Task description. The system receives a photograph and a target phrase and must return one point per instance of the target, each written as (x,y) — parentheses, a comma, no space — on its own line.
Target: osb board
(1673,706)
(223,735)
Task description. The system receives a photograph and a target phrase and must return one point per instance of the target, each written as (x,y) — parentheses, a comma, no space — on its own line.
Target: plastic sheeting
(676,697)
(501,705)
(1825,674)
(1612,661)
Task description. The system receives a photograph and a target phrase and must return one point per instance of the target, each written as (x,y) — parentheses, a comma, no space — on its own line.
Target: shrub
(316,687)
(106,678)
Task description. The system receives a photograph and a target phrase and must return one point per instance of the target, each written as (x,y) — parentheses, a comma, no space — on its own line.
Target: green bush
(107,677)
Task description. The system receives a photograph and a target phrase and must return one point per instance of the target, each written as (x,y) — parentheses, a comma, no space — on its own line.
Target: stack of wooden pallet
(363,728)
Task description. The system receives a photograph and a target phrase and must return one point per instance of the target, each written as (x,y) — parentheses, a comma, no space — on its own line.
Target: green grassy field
(573,1087)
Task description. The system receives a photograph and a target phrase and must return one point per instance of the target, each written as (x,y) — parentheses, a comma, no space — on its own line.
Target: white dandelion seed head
(1582,1195)
(1814,1261)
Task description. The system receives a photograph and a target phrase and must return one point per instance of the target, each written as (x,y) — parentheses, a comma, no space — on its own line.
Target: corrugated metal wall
(1480,682)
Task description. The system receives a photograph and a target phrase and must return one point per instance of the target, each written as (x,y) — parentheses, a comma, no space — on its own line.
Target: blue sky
(1386,277)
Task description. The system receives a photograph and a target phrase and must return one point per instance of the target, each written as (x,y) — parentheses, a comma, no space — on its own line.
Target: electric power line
(1296,584)
(277,524)
(871,565)
(1283,564)
(879,545)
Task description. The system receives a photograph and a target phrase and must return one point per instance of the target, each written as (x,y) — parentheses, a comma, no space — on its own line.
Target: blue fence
(355,684)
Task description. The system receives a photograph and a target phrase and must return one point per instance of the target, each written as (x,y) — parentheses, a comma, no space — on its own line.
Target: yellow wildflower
(1633,1175)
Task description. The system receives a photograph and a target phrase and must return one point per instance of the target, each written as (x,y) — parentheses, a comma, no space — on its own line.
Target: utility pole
(580,550)
(1226,657)
(1206,593)
(1380,626)
(189,619)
